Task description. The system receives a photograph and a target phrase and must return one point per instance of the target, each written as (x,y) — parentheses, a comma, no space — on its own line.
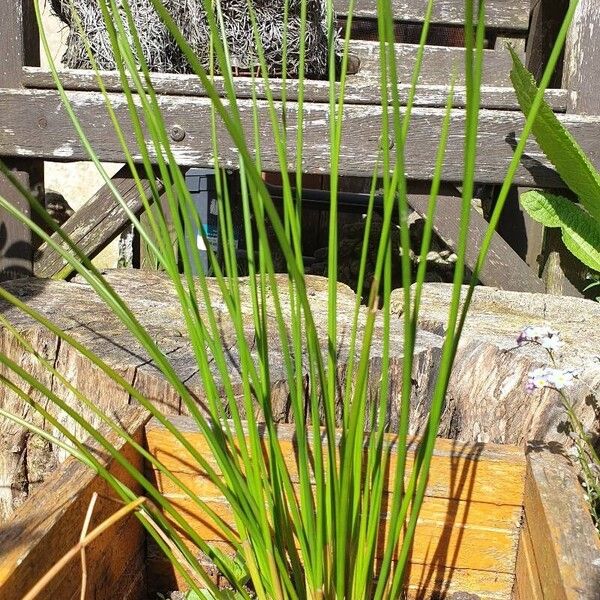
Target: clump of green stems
(320,542)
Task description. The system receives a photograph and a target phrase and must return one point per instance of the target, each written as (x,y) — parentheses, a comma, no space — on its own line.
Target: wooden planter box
(497,524)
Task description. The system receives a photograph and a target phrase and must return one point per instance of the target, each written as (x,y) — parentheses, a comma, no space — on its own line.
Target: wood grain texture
(458,530)
(362,88)
(504,14)
(497,133)
(527,576)
(99,221)
(153,299)
(19,46)
(503,268)
(490,461)
(49,524)
(424,581)
(563,546)
(486,399)
(582,57)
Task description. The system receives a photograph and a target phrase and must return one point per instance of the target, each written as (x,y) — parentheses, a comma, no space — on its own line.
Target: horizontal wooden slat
(438,63)
(35,124)
(449,533)
(495,482)
(363,88)
(469,521)
(504,14)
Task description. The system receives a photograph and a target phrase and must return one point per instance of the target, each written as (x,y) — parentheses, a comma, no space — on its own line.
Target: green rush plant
(319,542)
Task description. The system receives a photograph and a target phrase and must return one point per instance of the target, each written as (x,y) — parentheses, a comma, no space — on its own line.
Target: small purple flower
(547,377)
(540,334)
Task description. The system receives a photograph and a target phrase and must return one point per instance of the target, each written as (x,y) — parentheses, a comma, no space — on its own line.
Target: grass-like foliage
(318,540)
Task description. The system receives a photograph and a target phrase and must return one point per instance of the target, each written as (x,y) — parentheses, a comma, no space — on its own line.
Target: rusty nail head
(177,133)
(42,122)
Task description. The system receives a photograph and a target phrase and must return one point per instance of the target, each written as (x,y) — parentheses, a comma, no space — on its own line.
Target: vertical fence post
(581,77)
(19,46)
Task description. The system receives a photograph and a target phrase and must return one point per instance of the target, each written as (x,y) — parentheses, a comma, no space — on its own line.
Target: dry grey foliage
(162,54)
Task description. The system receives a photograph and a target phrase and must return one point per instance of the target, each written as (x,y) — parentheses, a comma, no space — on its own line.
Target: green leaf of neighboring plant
(558,144)
(580,233)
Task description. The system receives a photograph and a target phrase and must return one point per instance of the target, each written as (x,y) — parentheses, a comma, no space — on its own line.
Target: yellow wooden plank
(436,581)
(423,581)
(527,576)
(474,472)
(469,522)
(450,533)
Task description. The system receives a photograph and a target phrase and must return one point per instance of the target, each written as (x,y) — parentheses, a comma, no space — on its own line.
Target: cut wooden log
(97,223)
(153,299)
(486,399)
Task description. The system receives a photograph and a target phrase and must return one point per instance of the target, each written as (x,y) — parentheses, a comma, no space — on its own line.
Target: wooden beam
(359,148)
(582,59)
(49,524)
(513,15)
(504,268)
(559,554)
(99,221)
(19,46)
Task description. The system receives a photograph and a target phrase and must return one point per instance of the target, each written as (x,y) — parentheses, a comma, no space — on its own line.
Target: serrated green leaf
(540,208)
(580,232)
(585,250)
(558,144)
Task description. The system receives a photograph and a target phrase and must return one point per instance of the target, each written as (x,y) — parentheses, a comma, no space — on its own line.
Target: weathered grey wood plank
(564,542)
(503,268)
(95,224)
(497,133)
(361,89)
(505,14)
(19,46)
(582,59)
